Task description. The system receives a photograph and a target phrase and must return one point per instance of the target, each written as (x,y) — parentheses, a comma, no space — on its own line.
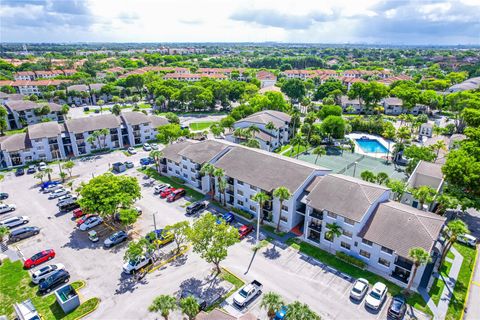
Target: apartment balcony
(163,161)
(314,236)
(230,181)
(316,227)
(302,209)
(317,215)
(198,166)
(403,263)
(230,192)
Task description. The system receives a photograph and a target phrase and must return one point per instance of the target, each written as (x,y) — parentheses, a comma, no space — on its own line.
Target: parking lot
(282,270)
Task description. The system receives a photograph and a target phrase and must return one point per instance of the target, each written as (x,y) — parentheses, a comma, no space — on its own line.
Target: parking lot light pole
(258,227)
(154,224)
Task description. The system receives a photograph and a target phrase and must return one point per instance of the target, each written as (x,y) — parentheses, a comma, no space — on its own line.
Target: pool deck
(381,140)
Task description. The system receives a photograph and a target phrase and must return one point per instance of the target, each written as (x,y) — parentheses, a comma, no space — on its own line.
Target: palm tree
(270,126)
(222,188)
(92,138)
(382,178)
(271,301)
(283,194)
(300,311)
(48,171)
(319,151)
(368,176)
(207,169)
(163,304)
(454,229)
(252,143)
(445,201)
(261,198)
(419,256)
(437,146)
(424,194)
(296,141)
(252,130)
(334,230)
(190,307)
(103,135)
(69,167)
(156,155)
(218,173)
(39,175)
(63,175)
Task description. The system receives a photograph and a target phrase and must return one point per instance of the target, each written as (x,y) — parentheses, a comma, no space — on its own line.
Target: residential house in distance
(25,112)
(351,105)
(194,76)
(425,130)
(267,79)
(25,75)
(269,138)
(29,87)
(394,106)
(86,94)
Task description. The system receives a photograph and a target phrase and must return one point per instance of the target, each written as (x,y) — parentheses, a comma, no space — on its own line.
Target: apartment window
(240,202)
(283,218)
(349,221)
(384,262)
(170,169)
(192,170)
(240,183)
(185,175)
(184,158)
(386,250)
(284,208)
(253,208)
(365,254)
(345,245)
(347,234)
(240,192)
(368,243)
(331,215)
(177,172)
(253,188)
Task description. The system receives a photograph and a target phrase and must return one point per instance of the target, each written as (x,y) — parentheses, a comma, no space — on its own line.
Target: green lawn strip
(461,286)
(283,149)
(195,195)
(17,287)
(198,126)
(15,131)
(271,229)
(450,255)
(414,300)
(233,279)
(294,151)
(438,285)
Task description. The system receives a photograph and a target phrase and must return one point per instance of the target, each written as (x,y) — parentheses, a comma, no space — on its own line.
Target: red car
(39,258)
(176,194)
(165,193)
(244,231)
(77,213)
(85,217)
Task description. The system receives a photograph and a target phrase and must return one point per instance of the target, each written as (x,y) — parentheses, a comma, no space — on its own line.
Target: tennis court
(344,163)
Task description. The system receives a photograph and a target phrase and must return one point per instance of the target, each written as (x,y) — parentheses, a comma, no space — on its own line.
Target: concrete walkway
(440,311)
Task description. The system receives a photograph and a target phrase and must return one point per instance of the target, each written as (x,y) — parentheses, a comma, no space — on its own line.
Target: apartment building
(273,129)
(351,105)
(42,74)
(194,76)
(394,106)
(29,87)
(86,94)
(24,112)
(50,141)
(267,79)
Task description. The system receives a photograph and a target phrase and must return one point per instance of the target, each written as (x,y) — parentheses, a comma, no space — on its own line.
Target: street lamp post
(354,168)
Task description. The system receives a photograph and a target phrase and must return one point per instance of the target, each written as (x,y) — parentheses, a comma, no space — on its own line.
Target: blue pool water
(371,146)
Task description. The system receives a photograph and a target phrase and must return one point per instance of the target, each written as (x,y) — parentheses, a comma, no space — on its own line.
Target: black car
(3,195)
(23,233)
(19,172)
(196,207)
(59,277)
(397,308)
(68,206)
(31,170)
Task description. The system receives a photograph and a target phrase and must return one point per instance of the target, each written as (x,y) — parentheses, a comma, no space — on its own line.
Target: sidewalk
(441,309)
(472,311)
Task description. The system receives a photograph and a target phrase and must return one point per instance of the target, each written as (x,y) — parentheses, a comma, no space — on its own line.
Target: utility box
(119,167)
(26,311)
(67,298)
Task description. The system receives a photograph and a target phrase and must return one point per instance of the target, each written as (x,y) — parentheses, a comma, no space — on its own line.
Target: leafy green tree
(116,109)
(415,154)
(163,304)
(334,127)
(208,169)
(217,130)
(106,193)
(424,194)
(137,249)
(282,194)
(190,307)
(329,110)
(63,176)
(3,120)
(69,167)
(398,187)
(136,81)
(172,117)
(48,171)
(419,256)
(408,93)
(319,151)
(4,232)
(39,175)
(437,146)
(455,228)
(445,201)
(382,178)
(180,230)
(326,89)
(212,240)
(128,217)
(252,143)
(300,311)
(368,176)
(294,89)
(171,132)
(271,301)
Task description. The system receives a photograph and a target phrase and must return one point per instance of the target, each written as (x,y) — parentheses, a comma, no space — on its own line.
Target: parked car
(58,193)
(397,308)
(23,233)
(40,275)
(47,184)
(176,194)
(359,289)
(147,147)
(84,218)
(160,237)
(14,222)
(3,195)
(69,197)
(39,258)
(280,314)
(77,213)
(31,170)
(4,208)
(244,230)
(467,239)
(146,161)
(154,146)
(132,150)
(376,296)
(133,266)
(90,222)
(129,164)
(227,217)
(19,172)
(68,206)
(116,238)
(247,293)
(57,278)
(160,188)
(52,187)
(166,192)
(196,207)
(42,166)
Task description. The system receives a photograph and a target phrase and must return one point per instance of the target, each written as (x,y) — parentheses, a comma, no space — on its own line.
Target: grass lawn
(414,300)
(271,229)
(438,284)
(17,287)
(461,287)
(15,131)
(194,195)
(233,279)
(199,126)
(283,148)
(294,151)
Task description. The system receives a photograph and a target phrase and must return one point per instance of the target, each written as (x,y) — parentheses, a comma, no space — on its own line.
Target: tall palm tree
(218,173)
(252,143)
(445,201)
(190,307)
(156,155)
(419,256)
(319,151)
(39,175)
(334,230)
(437,146)
(252,130)
(92,138)
(454,229)
(163,304)
(222,188)
(48,171)
(271,301)
(283,194)
(207,169)
(261,198)
(103,133)
(300,311)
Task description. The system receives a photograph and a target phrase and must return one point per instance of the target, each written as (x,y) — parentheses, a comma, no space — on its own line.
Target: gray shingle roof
(203,151)
(346,196)
(157,121)
(263,117)
(44,130)
(93,123)
(21,105)
(134,117)
(433,172)
(15,142)
(400,227)
(78,87)
(54,107)
(171,152)
(393,101)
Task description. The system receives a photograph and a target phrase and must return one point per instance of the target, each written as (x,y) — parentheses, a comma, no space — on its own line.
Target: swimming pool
(371,146)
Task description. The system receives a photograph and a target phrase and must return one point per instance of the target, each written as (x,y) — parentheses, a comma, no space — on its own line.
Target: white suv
(133,266)
(376,296)
(14,222)
(58,193)
(40,275)
(4,208)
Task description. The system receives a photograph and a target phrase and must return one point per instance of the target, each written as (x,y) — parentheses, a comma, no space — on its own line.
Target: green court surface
(344,163)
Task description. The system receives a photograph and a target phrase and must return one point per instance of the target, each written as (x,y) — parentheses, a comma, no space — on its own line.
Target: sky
(414,22)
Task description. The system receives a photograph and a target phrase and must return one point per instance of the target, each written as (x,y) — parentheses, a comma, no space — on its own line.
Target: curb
(469,283)
(233,274)
(181,253)
(90,311)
